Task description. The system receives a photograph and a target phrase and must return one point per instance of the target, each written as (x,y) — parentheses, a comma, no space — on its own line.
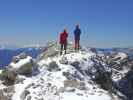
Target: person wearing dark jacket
(63,41)
(77,33)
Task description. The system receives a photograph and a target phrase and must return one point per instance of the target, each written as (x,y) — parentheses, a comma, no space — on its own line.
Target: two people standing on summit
(64,36)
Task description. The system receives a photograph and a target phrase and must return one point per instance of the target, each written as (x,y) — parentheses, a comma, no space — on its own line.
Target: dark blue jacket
(77,33)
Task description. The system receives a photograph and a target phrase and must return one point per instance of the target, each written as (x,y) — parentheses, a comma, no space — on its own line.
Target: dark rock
(53,66)
(24,94)
(2,96)
(125,85)
(28,97)
(7,93)
(93,50)
(75,64)
(79,94)
(104,80)
(68,75)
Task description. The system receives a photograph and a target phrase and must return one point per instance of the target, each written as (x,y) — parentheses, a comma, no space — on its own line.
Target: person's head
(65,30)
(77,26)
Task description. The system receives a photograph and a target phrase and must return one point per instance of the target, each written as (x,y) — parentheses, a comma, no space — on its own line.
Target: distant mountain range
(7,52)
(128,51)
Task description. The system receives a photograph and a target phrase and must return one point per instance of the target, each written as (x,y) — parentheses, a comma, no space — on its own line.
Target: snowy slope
(66,83)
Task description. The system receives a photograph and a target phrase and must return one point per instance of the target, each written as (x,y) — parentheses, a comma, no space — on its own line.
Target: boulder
(23,67)
(26,69)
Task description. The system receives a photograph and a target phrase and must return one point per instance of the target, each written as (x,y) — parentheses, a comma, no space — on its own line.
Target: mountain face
(81,75)
(6,55)
(121,63)
(70,76)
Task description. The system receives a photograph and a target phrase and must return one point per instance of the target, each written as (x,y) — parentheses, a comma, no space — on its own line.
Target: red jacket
(63,37)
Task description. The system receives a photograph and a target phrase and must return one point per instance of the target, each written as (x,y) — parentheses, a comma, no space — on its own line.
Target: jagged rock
(68,75)
(125,85)
(53,66)
(24,94)
(75,64)
(6,93)
(104,80)
(25,66)
(122,74)
(118,61)
(93,50)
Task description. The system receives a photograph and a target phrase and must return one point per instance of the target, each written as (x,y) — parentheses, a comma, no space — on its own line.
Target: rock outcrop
(20,65)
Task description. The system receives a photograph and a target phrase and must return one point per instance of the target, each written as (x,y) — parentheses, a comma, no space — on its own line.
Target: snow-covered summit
(65,77)
(80,75)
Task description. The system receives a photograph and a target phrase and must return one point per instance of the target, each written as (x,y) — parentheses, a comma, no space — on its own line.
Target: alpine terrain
(82,75)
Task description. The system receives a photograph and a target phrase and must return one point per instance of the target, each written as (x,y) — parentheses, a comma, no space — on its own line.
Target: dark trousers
(77,44)
(63,47)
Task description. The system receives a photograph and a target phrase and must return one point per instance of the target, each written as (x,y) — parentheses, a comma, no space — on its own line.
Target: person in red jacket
(63,41)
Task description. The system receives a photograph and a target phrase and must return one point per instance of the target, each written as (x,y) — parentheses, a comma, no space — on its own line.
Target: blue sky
(104,23)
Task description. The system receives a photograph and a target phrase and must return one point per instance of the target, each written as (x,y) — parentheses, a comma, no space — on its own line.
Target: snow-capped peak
(65,77)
